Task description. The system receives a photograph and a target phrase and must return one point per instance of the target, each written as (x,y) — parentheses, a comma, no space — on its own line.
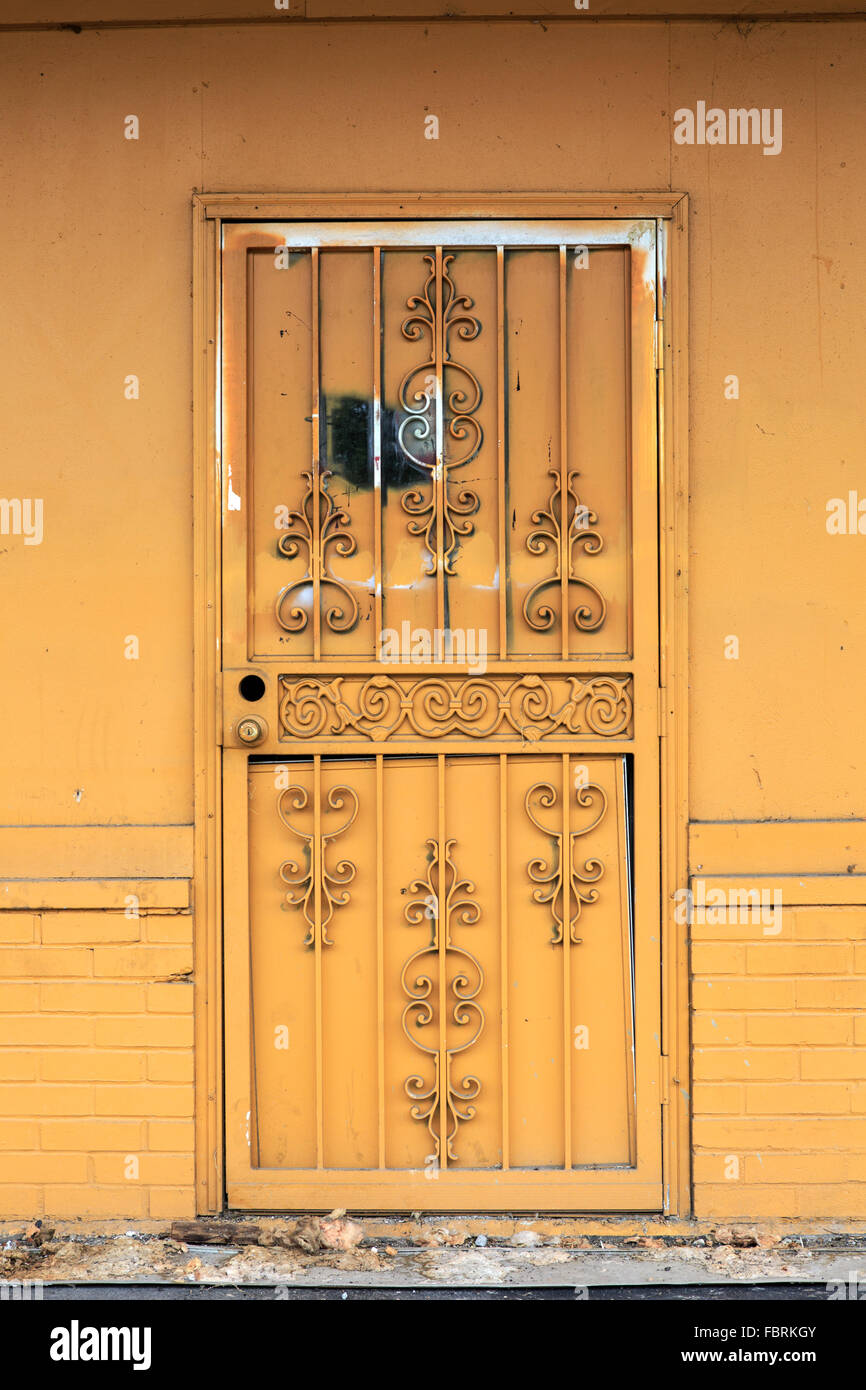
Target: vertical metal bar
(439,475)
(627,937)
(243,467)
(254,1118)
(240,983)
(316,557)
(380,949)
(443,934)
(377,445)
(503,954)
(566,958)
(630,511)
(317,914)
(565,532)
(500,436)
(565,571)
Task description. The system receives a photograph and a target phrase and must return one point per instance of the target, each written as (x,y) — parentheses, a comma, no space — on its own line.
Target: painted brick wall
(779,1081)
(96,1067)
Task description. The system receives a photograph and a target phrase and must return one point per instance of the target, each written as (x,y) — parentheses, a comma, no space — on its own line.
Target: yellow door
(440,699)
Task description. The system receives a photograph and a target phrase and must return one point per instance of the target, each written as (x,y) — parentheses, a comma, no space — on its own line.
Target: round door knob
(251,730)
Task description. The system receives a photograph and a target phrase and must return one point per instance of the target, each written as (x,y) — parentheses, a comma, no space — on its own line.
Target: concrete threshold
(142,1259)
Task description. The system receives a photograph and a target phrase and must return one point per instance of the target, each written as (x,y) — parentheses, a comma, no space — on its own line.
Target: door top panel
(436,428)
(426,232)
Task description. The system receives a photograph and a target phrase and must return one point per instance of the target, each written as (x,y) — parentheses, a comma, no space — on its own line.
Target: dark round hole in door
(252,687)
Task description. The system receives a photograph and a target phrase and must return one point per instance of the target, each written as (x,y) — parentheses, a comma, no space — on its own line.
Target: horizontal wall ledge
(36,14)
(799,848)
(813,890)
(106,893)
(408,206)
(45,852)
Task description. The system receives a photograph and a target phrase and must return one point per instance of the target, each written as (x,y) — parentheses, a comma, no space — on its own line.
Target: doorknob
(251,729)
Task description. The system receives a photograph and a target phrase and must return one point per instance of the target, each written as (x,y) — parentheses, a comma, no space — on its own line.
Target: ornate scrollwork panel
(551,876)
(563,536)
(317,526)
(384,707)
(314,887)
(442,978)
(439,432)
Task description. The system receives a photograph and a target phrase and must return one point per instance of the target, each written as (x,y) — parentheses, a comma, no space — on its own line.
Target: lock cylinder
(251,729)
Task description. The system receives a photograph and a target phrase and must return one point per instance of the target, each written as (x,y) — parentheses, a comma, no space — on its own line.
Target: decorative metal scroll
(438,1100)
(317,526)
(439,432)
(317,907)
(550,877)
(530,707)
(563,536)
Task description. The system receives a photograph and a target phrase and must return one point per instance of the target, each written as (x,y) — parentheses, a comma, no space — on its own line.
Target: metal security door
(440,697)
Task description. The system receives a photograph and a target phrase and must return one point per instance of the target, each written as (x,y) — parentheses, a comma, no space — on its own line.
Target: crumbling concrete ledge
(403,1252)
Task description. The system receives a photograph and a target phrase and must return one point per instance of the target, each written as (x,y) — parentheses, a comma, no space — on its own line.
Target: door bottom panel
(441,983)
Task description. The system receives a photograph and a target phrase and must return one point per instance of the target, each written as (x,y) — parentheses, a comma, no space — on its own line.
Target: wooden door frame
(671,212)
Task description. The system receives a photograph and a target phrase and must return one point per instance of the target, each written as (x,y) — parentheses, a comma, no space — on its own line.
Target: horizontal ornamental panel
(387,707)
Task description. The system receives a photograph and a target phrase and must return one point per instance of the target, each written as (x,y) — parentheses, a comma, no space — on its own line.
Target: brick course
(778,1067)
(96,1065)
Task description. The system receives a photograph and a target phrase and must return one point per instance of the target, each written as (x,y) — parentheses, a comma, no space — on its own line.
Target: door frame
(670,210)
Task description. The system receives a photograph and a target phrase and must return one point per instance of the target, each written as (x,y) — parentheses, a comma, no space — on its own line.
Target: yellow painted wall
(96,749)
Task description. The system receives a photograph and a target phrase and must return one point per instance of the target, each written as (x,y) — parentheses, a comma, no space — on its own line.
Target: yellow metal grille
(440,562)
